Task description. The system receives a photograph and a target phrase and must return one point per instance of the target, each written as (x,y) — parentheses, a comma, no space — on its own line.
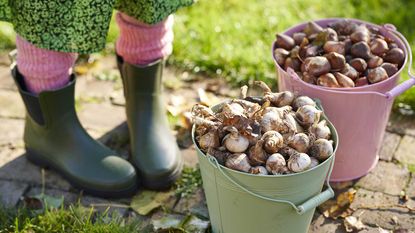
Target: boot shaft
(141,80)
(49,107)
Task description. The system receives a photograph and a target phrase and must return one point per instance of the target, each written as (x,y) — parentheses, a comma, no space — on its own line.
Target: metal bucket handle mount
(300,209)
(399,89)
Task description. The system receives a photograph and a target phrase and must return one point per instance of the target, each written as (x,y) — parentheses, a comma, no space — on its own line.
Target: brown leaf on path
(146,201)
(351,223)
(338,207)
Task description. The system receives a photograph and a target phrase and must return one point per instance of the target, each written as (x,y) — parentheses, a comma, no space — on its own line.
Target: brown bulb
(312,51)
(361,34)
(395,56)
(308,78)
(343,80)
(358,64)
(378,47)
(337,61)
(344,27)
(293,63)
(298,37)
(390,68)
(280,55)
(285,42)
(350,72)
(361,82)
(312,28)
(361,49)
(316,66)
(376,75)
(374,62)
(327,80)
(334,46)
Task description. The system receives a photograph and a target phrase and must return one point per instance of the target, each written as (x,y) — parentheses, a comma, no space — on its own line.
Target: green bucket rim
(329,159)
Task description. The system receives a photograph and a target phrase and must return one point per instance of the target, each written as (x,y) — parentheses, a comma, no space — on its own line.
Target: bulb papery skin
(314,162)
(210,139)
(276,164)
(239,162)
(280,99)
(257,154)
(299,162)
(300,142)
(275,119)
(302,101)
(320,130)
(308,115)
(232,109)
(321,149)
(258,170)
(273,141)
(236,143)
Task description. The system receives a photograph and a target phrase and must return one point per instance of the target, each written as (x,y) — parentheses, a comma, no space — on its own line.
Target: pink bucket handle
(401,88)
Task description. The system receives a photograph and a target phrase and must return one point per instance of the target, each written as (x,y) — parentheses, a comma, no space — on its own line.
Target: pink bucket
(359,114)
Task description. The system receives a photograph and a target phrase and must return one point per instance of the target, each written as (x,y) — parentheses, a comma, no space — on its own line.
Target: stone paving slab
(15,107)
(6,81)
(193,204)
(388,178)
(10,192)
(388,218)
(389,145)
(402,125)
(323,225)
(368,199)
(11,131)
(14,166)
(91,88)
(406,153)
(101,116)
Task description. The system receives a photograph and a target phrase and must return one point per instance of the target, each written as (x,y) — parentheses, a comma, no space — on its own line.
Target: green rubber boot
(54,138)
(154,151)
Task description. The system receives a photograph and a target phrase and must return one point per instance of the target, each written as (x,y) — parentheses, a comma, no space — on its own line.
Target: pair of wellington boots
(54,137)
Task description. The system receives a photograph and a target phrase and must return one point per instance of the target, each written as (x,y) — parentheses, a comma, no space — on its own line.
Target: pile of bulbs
(278,133)
(343,55)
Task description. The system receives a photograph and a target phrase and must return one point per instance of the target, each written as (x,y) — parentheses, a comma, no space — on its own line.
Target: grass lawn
(71,219)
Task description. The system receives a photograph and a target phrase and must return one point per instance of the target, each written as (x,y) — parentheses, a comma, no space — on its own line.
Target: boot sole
(38,160)
(164,183)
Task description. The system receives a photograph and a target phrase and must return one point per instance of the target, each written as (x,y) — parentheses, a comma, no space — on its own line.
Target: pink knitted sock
(141,43)
(43,69)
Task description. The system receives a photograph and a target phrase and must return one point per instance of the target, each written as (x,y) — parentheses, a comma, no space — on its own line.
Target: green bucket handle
(300,209)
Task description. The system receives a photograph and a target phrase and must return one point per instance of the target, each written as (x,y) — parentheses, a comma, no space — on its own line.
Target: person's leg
(140,43)
(53,134)
(43,69)
(141,49)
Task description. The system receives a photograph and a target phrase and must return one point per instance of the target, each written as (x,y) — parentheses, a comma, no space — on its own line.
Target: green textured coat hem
(79,26)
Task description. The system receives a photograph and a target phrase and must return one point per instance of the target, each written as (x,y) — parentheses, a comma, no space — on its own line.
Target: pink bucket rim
(326,21)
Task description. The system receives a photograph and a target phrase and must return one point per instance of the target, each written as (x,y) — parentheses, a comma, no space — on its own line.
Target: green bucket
(245,203)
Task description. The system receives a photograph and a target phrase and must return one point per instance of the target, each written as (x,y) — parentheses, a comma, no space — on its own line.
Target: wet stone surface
(388,178)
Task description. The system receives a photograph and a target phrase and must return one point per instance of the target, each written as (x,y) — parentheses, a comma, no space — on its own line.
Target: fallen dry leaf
(146,201)
(351,223)
(339,207)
